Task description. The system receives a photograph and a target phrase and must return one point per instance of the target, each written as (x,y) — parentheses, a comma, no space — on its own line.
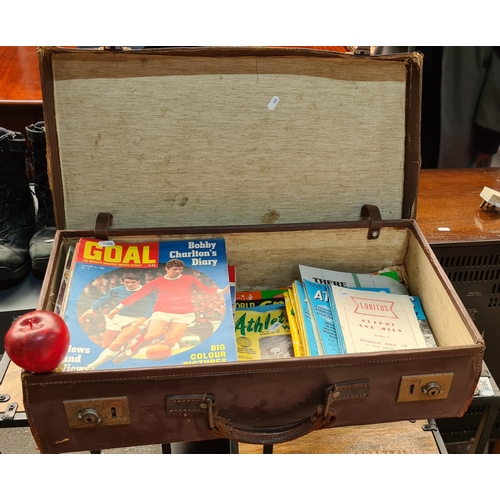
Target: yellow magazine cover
(310,329)
(300,319)
(263,333)
(298,348)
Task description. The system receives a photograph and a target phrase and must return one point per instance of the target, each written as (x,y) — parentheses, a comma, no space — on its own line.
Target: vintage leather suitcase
(294,157)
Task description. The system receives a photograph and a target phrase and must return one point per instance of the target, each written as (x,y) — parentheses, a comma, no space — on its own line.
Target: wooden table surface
(449,198)
(392,438)
(19,76)
(20,88)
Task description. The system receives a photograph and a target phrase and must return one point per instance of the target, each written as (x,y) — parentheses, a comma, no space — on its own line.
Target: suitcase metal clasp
(424,387)
(84,413)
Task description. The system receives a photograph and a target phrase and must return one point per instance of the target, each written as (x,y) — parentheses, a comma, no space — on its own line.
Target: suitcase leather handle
(324,416)
(271,435)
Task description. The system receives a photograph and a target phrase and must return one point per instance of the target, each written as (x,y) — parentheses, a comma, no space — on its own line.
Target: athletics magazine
(141,305)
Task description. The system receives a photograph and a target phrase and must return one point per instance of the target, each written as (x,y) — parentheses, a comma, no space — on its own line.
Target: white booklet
(371,321)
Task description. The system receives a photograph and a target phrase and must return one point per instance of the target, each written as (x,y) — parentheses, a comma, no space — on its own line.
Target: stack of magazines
(342,313)
(329,312)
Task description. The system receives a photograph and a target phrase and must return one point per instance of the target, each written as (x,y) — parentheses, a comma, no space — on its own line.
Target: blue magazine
(142,305)
(322,313)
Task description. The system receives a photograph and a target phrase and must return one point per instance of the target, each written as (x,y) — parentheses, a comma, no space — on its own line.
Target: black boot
(17,208)
(42,241)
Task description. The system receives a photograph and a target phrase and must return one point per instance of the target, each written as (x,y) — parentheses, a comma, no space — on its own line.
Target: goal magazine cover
(141,305)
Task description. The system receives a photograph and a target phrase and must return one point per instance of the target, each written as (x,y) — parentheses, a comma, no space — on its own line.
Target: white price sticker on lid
(273,102)
(107,243)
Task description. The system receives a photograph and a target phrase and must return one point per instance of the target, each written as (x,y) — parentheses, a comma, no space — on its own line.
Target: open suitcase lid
(229,136)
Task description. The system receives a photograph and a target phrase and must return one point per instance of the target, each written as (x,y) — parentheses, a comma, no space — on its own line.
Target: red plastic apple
(37,341)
